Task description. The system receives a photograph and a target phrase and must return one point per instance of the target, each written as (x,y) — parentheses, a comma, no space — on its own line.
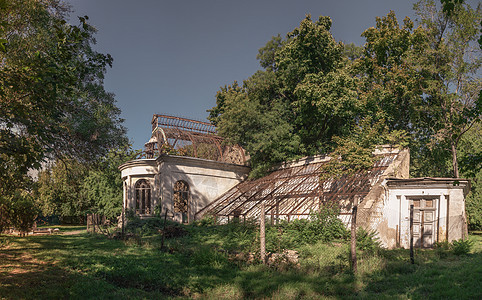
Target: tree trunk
(262,234)
(454,160)
(353,260)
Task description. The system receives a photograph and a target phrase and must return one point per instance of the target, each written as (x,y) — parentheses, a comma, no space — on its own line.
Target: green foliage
(52,85)
(53,103)
(457,247)
(462,247)
(367,241)
(23,212)
(452,82)
(59,187)
(102,187)
(354,153)
(471,167)
(154,226)
(72,188)
(18,211)
(322,226)
(207,220)
(294,106)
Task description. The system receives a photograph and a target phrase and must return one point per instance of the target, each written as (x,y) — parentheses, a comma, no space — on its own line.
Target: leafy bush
(207,220)
(321,226)
(153,226)
(173,231)
(461,247)
(442,249)
(367,241)
(457,247)
(24,212)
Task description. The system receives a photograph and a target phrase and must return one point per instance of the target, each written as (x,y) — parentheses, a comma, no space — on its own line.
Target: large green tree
(451,63)
(52,101)
(297,104)
(424,81)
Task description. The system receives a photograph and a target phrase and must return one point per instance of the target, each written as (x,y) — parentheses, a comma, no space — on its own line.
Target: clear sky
(170,57)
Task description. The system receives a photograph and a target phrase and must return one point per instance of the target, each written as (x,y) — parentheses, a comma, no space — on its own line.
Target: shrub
(153,226)
(24,212)
(321,226)
(207,220)
(442,249)
(173,231)
(457,247)
(367,241)
(461,247)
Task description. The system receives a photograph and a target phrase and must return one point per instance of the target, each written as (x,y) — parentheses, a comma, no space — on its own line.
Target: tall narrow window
(143,197)
(180,199)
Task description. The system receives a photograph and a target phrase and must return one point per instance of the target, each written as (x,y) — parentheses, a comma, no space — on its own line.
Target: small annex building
(189,171)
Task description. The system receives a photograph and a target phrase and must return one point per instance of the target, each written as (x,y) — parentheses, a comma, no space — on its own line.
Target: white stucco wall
(449,201)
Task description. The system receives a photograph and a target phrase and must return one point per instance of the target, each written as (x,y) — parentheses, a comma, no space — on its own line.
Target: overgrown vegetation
(207,263)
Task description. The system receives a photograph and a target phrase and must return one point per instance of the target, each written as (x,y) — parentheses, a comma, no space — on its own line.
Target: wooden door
(424,222)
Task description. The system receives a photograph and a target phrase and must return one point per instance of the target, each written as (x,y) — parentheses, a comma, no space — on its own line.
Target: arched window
(180,199)
(143,197)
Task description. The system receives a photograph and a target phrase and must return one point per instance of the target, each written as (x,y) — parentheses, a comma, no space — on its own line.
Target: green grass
(200,265)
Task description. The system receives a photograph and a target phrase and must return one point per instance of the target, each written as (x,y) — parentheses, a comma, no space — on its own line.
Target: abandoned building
(189,172)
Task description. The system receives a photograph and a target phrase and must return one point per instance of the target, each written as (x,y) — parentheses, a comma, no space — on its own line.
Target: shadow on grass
(431,277)
(91,266)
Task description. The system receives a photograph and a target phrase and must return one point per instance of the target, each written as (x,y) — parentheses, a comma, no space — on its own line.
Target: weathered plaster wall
(370,214)
(207,180)
(449,201)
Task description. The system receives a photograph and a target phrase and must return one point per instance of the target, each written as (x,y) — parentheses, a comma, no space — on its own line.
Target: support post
(163,230)
(277,212)
(123,220)
(353,236)
(262,237)
(412,260)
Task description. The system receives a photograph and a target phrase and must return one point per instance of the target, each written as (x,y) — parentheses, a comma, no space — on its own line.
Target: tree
(72,188)
(470,151)
(102,187)
(452,61)
(302,98)
(423,81)
(52,101)
(59,189)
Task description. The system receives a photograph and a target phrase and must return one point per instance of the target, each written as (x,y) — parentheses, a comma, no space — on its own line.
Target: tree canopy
(52,101)
(410,84)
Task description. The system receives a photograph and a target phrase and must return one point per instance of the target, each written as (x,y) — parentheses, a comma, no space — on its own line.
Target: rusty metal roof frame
(166,121)
(296,191)
(196,138)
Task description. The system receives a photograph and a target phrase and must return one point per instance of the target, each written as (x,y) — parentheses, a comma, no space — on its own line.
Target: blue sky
(170,57)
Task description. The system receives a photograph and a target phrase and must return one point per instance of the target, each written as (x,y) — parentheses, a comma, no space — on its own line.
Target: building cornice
(200,162)
(429,182)
(138,163)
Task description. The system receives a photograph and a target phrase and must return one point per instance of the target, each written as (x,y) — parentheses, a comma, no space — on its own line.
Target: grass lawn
(198,265)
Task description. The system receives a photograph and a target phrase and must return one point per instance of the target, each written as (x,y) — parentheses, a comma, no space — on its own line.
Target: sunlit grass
(200,265)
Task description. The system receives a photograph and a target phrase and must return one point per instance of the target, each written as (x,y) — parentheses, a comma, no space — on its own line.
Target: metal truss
(180,136)
(296,191)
